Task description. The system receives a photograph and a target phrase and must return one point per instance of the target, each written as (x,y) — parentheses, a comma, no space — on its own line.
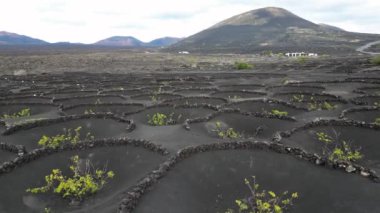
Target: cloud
(88,21)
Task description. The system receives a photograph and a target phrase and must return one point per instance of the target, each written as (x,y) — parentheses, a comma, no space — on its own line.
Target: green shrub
(262,201)
(81,184)
(154,97)
(235,97)
(336,150)
(345,153)
(321,106)
(89,111)
(297,98)
(278,112)
(98,101)
(376,60)
(243,66)
(161,119)
(377,121)
(67,136)
(228,133)
(23,113)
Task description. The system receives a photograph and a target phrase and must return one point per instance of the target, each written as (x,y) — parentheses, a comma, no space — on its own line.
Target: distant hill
(7,38)
(163,42)
(129,41)
(271,29)
(120,41)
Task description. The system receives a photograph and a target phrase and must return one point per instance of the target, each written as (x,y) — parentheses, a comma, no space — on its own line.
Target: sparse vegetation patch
(338,150)
(82,183)
(376,60)
(22,113)
(69,136)
(263,201)
(225,133)
(161,119)
(243,66)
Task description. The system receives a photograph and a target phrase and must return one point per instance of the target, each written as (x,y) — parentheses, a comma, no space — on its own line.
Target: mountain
(163,42)
(271,29)
(128,41)
(7,38)
(120,41)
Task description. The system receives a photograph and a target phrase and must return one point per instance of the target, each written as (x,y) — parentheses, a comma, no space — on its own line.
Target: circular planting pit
(367,100)
(212,181)
(235,95)
(197,100)
(295,89)
(267,106)
(248,87)
(27,99)
(260,126)
(368,115)
(34,108)
(6,156)
(29,135)
(128,163)
(129,92)
(365,140)
(118,109)
(369,90)
(90,100)
(176,114)
(155,97)
(195,91)
(190,84)
(298,97)
(59,95)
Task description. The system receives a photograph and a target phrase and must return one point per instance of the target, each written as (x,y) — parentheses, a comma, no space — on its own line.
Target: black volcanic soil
(184,166)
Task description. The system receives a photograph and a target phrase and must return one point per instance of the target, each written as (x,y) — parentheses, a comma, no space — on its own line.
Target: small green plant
(67,136)
(263,201)
(228,133)
(161,119)
(243,66)
(297,98)
(345,153)
(302,59)
(325,138)
(376,60)
(22,113)
(89,111)
(314,105)
(98,101)
(48,210)
(155,96)
(235,97)
(376,104)
(337,150)
(377,121)
(278,112)
(82,183)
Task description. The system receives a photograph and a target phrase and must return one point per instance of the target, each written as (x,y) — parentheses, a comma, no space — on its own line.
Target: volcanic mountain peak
(259,17)
(13,38)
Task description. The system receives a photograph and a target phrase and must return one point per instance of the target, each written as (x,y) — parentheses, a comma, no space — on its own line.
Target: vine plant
(82,182)
(22,113)
(69,136)
(338,150)
(263,201)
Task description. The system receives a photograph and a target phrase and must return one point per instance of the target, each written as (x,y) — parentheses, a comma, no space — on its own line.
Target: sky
(87,21)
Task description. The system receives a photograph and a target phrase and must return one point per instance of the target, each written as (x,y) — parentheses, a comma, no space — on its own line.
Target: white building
(299,54)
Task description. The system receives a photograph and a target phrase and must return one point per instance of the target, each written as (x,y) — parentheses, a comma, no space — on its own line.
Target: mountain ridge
(271,29)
